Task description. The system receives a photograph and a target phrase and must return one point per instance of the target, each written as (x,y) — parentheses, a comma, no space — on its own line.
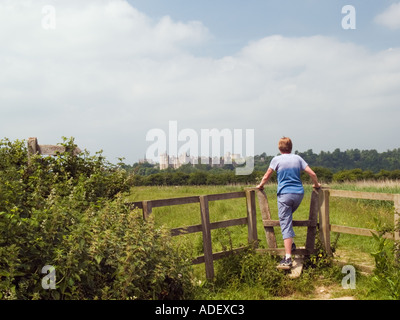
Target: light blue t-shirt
(288,168)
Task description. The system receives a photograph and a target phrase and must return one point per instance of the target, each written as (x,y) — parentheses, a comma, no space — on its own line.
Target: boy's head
(285,145)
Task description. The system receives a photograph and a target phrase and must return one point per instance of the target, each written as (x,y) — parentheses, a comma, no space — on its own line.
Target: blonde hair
(285,145)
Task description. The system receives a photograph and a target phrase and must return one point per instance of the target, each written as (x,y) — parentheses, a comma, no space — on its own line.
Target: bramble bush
(67,211)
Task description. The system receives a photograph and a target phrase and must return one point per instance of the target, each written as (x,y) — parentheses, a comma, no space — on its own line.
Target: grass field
(347,212)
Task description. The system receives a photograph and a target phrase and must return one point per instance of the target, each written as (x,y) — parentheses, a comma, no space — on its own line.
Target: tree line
(225,178)
(336,166)
(366,160)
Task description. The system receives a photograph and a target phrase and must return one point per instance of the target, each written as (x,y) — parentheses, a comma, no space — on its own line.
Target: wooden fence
(206,226)
(324,220)
(318,217)
(251,220)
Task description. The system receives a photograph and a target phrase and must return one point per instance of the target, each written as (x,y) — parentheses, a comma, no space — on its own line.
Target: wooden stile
(318,216)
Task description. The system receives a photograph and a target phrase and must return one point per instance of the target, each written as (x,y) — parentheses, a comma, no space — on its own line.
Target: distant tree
(324,175)
(349,175)
(395,174)
(198,178)
(216,179)
(180,179)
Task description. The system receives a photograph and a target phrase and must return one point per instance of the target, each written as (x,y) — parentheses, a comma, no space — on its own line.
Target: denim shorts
(287,205)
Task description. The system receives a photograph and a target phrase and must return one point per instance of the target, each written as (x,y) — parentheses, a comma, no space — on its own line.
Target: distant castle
(167,161)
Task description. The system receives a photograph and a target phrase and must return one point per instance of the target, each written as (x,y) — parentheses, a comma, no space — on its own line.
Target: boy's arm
(265,179)
(313,177)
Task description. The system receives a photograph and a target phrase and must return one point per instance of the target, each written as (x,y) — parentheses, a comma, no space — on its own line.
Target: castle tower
(164,161)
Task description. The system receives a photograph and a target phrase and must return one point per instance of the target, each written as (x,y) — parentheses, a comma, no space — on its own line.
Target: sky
(110,72)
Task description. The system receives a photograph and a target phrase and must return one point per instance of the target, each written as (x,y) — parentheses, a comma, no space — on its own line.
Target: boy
(290,191)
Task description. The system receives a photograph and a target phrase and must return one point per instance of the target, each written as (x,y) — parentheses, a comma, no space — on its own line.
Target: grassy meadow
(347,248)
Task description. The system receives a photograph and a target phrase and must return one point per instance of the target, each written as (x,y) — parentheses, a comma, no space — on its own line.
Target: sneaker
(285,263)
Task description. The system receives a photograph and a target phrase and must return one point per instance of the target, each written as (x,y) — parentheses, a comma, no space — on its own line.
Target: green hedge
(67,212)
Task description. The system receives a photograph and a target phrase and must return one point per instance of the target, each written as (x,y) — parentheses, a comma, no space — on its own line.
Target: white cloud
(108,73)
(390,17)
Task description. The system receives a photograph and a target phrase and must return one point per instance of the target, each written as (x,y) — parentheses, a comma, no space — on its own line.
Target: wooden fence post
(266,216)
(147,209)
(33,148)
(251,218)
(324,224)
(313,217)
(207,244)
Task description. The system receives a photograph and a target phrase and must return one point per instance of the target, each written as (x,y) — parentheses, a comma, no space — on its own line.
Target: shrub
(386,276)
(253,269)
(67,211)
(114,254)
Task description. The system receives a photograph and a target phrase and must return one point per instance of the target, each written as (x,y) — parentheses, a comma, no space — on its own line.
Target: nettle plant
(67,212)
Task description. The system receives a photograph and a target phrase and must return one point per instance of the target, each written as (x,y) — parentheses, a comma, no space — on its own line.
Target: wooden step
(295,270)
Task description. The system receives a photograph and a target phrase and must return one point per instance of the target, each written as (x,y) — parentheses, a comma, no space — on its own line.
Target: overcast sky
(108,71)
